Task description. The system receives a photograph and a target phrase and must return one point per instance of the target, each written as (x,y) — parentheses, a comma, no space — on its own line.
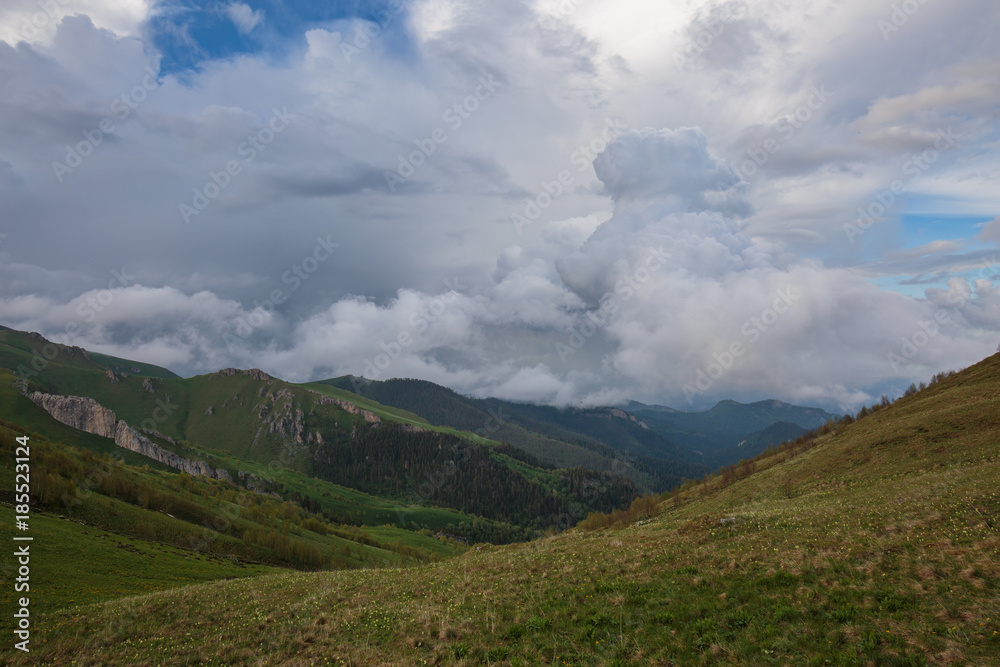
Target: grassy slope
(369,510)
(877,546)
(33,352)
(20,410)
(231,437)
(100,548)
(115,565)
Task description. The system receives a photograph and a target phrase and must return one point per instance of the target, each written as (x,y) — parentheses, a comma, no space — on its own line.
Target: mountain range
(865,541)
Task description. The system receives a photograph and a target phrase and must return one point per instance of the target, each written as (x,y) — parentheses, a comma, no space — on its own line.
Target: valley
(405,523)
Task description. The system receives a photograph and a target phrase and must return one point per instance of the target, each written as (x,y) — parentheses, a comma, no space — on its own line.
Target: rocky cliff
(128,438)
(79,412)
(323,399)
(88,415)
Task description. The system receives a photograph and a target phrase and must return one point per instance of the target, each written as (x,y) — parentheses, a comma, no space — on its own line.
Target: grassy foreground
(878,546)
(126,565)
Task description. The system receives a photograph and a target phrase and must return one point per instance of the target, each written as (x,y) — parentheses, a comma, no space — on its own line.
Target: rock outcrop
(255,373)
(79,412)
(88,415)
(621,414)
(128,438)
(323,399)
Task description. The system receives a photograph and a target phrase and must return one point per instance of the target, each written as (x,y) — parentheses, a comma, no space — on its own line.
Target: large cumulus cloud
(635,279)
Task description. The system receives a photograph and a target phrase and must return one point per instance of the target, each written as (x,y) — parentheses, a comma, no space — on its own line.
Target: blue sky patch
(189,34)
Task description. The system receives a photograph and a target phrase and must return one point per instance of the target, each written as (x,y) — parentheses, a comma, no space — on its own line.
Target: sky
(572,202)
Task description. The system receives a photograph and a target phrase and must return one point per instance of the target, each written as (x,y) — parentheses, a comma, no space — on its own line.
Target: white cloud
(991,231)
(561,77)
(243,17)
(36,21)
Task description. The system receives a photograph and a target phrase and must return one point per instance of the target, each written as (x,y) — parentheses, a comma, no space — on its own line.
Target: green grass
(394,414)
(75,564)
(20,410)
(383,411)
(877,546)
(238,422)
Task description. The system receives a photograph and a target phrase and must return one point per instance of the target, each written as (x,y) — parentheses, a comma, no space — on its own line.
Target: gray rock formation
(255,373)
(88,415)
(79,412)
(127,438)
(323,399)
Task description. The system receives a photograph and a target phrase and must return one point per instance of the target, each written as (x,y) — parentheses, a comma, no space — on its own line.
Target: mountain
(603,439)
(655,445)
(873,543)
(716,433)
(316,442)
(756,443)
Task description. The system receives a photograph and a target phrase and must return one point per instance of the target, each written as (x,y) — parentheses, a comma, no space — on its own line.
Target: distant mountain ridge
(716,433)
(316,441)
(645,435)
(603,439)
(254,416)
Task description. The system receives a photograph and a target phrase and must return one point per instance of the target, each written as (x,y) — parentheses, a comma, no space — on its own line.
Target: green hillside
(277,436)
(602,439)
(874,544)
(31,353)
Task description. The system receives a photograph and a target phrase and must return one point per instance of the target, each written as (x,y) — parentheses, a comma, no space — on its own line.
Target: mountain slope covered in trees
(873,543)
(307,444)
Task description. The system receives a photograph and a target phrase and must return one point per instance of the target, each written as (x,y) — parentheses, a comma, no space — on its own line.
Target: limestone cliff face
(255,373)
(323,399)
(128,438)
(88,415)
(79,412)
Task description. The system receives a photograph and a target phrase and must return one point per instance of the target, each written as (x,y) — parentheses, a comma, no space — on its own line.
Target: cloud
(37,22)
(645,265)
(931,248)
(662,164)
(991,231)
(243,17)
